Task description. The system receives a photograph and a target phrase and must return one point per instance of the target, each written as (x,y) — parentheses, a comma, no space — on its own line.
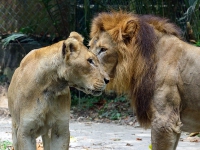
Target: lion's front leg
(60,137)
(163,139)
(165,123)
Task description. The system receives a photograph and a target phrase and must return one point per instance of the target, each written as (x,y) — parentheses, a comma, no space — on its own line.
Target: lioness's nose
(106,80)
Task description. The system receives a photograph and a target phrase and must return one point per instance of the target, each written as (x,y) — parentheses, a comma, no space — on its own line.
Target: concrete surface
(102,136)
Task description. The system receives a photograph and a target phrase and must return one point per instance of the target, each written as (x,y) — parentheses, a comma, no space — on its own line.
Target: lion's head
(82,68)
(121,41)
(125,45)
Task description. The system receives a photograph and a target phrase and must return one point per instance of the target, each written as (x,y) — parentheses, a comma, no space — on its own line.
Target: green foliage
(18,38)
(30,29)
(3,78)
(5,145)
(191,9)
(113,109)
(11,38)
(178,11)
(111,114)
(189,15)
(107,106)
(198,43)
(115,116)
(79,99)
(120,99)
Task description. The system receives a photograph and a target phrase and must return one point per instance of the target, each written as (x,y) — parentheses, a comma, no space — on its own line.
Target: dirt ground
(90,135)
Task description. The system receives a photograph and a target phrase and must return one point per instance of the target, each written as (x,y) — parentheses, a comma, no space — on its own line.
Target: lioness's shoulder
(35,54)
(28,58)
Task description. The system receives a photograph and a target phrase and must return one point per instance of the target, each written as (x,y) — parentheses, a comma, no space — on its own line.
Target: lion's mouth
(89,91)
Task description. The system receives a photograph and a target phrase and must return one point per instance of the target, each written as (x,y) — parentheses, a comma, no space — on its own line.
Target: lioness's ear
(76,36)
(63,50)
(69,46)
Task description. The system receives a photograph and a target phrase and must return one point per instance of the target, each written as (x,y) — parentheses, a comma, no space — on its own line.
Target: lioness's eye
(90,60)
(102,49)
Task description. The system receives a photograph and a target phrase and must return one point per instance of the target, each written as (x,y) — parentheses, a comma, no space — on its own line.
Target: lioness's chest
(51,105)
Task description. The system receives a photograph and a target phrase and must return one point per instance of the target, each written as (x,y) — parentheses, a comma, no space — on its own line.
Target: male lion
(147,59)
(39,95)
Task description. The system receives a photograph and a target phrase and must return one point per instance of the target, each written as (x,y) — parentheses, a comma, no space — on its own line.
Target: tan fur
(147,59)
(39,95)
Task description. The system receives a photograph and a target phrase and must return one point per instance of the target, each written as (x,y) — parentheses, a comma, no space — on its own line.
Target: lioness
(147,59)
(39,95)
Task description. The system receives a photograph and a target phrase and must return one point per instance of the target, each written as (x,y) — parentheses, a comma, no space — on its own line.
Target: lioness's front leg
(25,140)
(14,134)
(46,141)
(60,137)
(165,126)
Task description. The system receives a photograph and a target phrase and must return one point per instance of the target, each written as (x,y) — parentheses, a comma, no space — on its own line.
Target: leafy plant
(112,114)
(191,9)
(5,145)
(18,38)
(189,14)
(30,29)
(122,98)
(115,115)
(83,100)
(114,109)
(198,43)
(107,106)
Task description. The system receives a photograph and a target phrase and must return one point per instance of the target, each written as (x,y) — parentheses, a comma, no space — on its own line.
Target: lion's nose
(106,80)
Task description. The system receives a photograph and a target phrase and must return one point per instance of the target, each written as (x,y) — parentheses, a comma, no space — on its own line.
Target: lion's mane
(136,38)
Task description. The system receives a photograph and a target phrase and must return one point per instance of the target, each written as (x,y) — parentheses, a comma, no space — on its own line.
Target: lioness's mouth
(89,91)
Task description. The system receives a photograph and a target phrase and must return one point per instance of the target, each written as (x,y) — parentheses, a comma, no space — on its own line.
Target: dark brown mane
(136,38)
(142,95)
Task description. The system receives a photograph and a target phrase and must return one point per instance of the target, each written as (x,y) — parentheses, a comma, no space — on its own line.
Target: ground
(91,131)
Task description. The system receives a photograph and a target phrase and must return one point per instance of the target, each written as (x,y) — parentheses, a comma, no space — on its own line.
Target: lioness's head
(82,68)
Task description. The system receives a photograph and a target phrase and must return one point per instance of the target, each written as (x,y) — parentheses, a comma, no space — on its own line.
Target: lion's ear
(128,29)
(124,31)
(76,36)
(69,47)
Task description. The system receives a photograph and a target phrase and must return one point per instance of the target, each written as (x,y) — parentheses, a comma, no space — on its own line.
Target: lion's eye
(90,60)
(102,49)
